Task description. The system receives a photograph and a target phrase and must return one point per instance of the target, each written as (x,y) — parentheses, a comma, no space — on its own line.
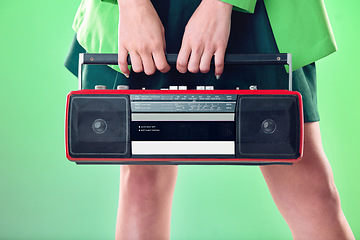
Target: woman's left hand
(206,35)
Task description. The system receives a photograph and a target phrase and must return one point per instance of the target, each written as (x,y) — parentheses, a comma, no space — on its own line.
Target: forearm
(138,3)
(206,36)
(141,35)
(221,5)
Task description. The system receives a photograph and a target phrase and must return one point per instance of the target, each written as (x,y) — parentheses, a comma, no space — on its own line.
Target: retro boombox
(180,126)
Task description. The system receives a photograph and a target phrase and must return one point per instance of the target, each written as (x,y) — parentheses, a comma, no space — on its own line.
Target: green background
(44,196)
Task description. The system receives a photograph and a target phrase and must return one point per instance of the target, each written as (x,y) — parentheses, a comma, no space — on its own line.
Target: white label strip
(183,117)
(182,147)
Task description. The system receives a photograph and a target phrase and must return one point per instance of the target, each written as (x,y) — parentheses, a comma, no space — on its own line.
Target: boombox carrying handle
(243,59)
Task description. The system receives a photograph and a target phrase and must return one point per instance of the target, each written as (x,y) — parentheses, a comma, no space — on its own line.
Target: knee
(148,180)
(323,194)
(316,171)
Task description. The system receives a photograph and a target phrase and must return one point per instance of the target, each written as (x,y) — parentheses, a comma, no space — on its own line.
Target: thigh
(306,195)
(312,174)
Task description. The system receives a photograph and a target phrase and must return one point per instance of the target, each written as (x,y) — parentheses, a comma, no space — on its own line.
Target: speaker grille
(99,126)
(268,127)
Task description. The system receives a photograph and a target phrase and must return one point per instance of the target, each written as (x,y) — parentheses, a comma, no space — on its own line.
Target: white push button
(100,87)
(122,87)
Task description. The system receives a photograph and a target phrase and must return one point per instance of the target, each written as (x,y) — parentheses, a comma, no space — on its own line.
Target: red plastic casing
(192,161)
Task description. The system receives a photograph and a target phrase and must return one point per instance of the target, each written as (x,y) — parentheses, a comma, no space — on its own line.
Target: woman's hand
(141,34)
(206,35)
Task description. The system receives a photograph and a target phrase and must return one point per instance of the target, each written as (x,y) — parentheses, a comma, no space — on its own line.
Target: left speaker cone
(99,126)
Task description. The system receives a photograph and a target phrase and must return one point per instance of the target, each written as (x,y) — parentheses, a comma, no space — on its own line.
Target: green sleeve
(110,1)
(305,33)
(242,5)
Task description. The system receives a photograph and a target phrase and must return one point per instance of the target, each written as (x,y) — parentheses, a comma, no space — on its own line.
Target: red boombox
(179,126)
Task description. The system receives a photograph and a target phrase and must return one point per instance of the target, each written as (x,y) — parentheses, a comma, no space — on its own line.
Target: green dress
(250,33)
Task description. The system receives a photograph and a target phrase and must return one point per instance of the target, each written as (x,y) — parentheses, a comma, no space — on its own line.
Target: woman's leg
(145,201)
(305,193)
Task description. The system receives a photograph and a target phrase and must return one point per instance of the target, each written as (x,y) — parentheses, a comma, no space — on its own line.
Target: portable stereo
(180,126)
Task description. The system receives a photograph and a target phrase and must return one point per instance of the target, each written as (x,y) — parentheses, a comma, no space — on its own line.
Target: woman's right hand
(141,34)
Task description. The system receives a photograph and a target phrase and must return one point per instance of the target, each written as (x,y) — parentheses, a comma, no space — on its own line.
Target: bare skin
(145,202)
(144,39)
(209,39)
(304,193)
(141,34)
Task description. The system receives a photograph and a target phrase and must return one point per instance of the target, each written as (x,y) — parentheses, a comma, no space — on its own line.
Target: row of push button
(185,88)
(125,87)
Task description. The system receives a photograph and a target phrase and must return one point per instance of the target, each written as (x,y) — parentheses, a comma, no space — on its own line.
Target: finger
(194,61)
(136,62)
(148,64)
(122,61)
(160,61)
(183,57)
(205,61)
(219,62)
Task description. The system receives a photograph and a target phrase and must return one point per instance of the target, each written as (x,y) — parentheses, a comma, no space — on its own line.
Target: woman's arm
(206,35)
(141,34)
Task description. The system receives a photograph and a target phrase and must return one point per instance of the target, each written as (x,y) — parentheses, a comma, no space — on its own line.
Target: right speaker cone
(268,126)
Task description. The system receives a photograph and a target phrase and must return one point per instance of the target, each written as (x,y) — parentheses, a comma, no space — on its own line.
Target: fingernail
(126,75)
(217,77)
